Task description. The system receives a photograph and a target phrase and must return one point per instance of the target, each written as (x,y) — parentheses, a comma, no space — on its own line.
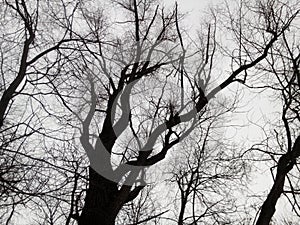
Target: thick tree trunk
(100,196)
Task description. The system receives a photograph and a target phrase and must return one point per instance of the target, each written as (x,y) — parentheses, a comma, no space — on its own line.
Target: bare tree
(284,80)
(124,125)
(209,172)
(124,90)
(29,51)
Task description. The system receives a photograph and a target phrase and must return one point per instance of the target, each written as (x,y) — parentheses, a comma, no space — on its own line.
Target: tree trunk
(285,164)
(101,194)
(268,208)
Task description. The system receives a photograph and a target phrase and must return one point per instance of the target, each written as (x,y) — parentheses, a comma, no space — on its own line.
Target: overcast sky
(257,107)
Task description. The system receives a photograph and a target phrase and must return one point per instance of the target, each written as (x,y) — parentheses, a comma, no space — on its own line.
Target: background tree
(29,51)
(208,173)
(282,73)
